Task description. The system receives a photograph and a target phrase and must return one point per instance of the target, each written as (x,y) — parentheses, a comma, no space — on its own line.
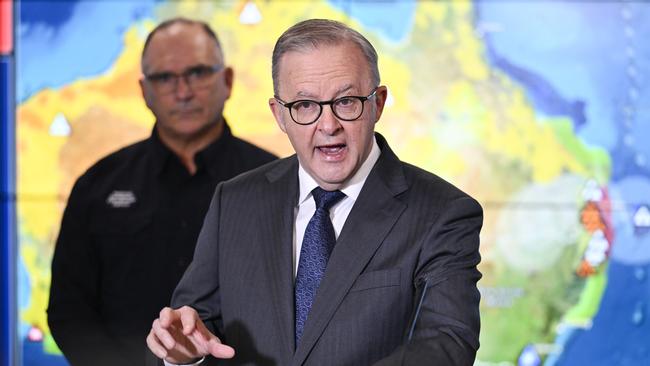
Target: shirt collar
(206,158)
(351,188)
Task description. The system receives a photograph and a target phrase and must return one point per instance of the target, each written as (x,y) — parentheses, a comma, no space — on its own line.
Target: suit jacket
(408,230)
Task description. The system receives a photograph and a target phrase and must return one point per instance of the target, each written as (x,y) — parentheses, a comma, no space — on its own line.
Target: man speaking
(338,255)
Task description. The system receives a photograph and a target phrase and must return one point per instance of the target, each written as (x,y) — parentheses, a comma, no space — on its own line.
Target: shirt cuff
(185,364)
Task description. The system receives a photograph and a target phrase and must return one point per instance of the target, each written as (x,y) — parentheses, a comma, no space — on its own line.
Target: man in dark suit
(338,255)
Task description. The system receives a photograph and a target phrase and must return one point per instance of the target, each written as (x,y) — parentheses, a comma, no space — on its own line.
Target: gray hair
(309,34)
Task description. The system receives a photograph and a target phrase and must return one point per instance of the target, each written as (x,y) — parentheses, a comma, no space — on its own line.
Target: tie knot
(326,199)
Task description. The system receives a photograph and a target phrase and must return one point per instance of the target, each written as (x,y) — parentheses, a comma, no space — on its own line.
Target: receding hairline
(186,22)
(312,34)
(309,48)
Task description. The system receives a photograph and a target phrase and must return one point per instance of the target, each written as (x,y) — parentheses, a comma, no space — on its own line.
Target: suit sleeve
(199,286)
(74,310)
(446,329)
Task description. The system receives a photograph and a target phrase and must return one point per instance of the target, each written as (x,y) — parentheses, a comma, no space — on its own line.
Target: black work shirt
(127,236)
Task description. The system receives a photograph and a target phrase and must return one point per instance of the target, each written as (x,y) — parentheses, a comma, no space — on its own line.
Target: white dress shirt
(339,212)
(306,207)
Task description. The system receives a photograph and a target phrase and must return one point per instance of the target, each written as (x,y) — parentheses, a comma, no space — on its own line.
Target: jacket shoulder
(421,182)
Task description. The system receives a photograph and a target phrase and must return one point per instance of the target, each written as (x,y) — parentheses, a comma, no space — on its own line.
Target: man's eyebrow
(343,89)
(303,94)
(197,66)
(189,68)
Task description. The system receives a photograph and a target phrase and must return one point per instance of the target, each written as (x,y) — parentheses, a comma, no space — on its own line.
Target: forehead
(180,46)
(324,70)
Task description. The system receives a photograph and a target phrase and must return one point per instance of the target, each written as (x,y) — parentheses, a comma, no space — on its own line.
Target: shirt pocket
(377,279)
(123,243)
(120,224)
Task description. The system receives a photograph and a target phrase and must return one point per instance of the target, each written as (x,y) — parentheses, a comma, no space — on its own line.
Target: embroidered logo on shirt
(121,199)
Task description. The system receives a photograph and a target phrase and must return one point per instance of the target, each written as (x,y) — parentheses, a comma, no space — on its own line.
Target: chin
(334,179)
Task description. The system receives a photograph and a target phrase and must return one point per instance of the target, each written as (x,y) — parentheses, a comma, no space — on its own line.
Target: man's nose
(328,122)
(183,88)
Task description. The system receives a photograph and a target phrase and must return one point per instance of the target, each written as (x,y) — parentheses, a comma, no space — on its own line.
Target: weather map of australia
(537,109)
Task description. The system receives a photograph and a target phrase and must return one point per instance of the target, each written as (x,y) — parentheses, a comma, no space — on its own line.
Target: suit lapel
(371,219)
(278,249)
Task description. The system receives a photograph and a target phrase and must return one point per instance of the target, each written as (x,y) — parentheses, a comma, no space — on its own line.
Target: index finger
(189,318)
(167,317)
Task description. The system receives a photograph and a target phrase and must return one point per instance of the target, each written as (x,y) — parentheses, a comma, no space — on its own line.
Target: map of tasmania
(544,125)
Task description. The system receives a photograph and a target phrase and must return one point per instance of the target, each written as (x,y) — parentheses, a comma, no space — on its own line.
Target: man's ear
(380,100)
(143,89)
(228,79)
(277,109)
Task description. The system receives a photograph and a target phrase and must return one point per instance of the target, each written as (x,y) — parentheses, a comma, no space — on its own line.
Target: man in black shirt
(132,220)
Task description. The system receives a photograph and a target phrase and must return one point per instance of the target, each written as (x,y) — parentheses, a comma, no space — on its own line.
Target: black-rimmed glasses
(306,111)
(196,77)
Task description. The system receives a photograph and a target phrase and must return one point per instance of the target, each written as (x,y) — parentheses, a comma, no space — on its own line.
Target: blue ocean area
(392,19)
(544,96)
(53,45)
(619,335)
(33,354)
(557,42)
(631,241)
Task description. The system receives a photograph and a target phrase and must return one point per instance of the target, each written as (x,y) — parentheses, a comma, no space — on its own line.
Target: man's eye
(345,102)
(161,78)
(198,72)
(304,105)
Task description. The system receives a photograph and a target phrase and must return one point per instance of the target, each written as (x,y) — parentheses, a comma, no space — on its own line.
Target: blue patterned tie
(317,245)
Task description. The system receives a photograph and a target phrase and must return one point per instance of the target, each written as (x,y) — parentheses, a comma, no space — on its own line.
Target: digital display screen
(539,110)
